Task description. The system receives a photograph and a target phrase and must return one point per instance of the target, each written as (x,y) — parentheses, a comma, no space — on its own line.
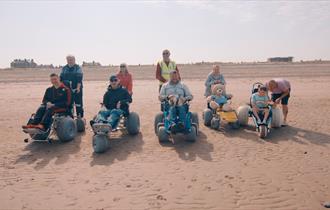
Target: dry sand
(224,169)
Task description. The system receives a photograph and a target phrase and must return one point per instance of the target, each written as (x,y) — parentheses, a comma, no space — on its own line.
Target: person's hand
(78,90)
(277,101)
(49,105)
(172,99)
(216,81)
(118,105)
(182,100)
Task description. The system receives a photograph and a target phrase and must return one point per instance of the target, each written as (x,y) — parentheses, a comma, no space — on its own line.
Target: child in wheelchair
(260,102)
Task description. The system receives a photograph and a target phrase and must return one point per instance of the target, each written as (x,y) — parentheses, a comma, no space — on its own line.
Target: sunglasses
(114,80)
(122,67)
(166,53)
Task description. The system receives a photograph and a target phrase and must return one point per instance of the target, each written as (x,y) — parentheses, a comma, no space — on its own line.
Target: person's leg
(78,100)
(266,114)
(114,117)
(102,116)
(39,114)
(255,111)
(47,118)
(172,114)
(182,113)
(285,108)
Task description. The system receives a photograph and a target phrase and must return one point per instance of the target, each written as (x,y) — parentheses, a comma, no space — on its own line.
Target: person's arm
(209,81)
(162,94)
(79,78)
(127,97)
(46,98)
(130,84)
(187,94)
(222,80)
(159,74)
(106,100)
(176,68)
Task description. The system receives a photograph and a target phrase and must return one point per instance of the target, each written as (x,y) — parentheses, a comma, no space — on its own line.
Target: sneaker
(28,126)
(284,124)
(40,126)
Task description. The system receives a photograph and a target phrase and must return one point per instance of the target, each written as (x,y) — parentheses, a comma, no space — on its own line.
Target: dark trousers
(78,101)
(43,116)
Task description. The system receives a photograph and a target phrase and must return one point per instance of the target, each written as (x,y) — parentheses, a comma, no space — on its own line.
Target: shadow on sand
(190,151)
(41,153)
(288,133)
(120,149)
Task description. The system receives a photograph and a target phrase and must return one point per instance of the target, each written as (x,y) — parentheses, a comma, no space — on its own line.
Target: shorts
(284,100)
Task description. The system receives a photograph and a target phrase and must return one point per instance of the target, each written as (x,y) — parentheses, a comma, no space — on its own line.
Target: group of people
(67,91)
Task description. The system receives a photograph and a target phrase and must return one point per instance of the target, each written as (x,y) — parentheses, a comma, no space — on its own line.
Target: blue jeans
(111,117)
(177,111)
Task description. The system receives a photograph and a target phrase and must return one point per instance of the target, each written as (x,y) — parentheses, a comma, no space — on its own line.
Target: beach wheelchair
(128,123)
(165,128)
(274,120)
(62,127)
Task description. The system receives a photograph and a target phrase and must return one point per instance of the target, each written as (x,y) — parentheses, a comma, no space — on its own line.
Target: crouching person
(116,103)
(218,98)
(57,98)
(176,93)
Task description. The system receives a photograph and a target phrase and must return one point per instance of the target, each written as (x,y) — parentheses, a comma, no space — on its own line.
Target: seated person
(218,98)
(115,101)
(57,98)
(213,78)
(177,94)
(260,102)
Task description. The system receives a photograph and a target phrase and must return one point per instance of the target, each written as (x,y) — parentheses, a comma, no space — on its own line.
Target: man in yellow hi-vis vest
(164,67)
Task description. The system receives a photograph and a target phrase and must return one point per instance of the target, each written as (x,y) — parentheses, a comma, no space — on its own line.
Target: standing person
(214,77)
(125,78)
(72,76)
(280,89)
(164,67)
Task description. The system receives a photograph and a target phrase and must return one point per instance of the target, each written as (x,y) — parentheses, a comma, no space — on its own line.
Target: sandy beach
(225,169)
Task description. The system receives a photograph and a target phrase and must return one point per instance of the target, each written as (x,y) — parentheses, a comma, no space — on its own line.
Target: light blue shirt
(260,101)
(219,99)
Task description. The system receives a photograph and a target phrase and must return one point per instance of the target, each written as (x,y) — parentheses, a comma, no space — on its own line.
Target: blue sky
(136,32)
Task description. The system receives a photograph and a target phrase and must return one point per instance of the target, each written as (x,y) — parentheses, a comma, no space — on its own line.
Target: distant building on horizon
(91,64)
(280,59)
(23,63)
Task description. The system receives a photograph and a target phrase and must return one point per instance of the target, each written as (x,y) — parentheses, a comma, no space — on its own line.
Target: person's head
(123,68)
(114,82)
(54,79)
(262,90)
(272,85)
(216,69)
(174,77)
(166,55)
(71,60)
(218,90)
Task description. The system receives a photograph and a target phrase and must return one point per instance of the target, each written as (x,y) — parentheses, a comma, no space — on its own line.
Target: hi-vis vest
(166,69)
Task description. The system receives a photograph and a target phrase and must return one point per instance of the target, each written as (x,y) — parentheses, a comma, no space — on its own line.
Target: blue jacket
(73,75)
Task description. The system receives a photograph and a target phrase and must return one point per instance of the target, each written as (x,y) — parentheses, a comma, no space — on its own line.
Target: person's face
(166,55)
(55,80)
(272,86)
(174,77)
(216,70)
(114,83)
(123,69)
(71,61)
(262,92)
